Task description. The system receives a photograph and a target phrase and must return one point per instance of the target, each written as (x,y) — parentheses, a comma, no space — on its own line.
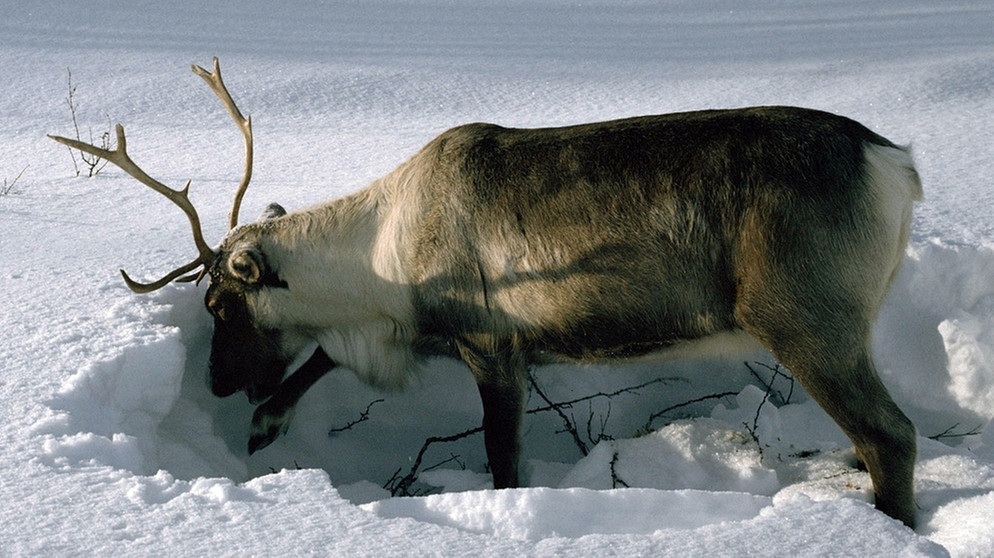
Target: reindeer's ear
(247,264)
(272,211)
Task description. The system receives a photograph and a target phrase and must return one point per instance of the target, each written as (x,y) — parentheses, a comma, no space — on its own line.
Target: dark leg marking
(273,417)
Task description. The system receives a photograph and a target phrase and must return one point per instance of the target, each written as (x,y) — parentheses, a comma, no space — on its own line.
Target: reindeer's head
(246,355)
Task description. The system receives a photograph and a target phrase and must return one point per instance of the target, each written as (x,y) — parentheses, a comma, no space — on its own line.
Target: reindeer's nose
(222,388)
(216,307)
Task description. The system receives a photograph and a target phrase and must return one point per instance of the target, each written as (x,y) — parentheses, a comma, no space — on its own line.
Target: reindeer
(643,238)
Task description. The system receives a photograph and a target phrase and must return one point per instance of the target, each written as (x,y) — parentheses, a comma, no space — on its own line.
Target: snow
(112,444)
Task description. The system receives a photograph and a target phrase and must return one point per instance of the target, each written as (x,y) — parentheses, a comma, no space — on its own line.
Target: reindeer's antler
(244,124)
(119,156)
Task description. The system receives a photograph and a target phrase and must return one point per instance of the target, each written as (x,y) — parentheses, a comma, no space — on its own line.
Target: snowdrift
(752,459)
(114,446)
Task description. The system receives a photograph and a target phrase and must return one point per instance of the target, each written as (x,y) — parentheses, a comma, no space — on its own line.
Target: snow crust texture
(113,445)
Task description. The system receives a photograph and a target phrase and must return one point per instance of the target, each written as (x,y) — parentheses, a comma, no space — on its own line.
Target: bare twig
(9,187)
(630,389)
(948,433)
(755,422)
(568,421)
(401,486)
(602,434)
(778,372)
(616,480)
(453,458)
(296,467)
(769,394)
(663,412)
(363,417)
(93,163)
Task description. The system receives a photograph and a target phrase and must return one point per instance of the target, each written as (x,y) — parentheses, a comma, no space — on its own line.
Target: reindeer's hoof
(267,425)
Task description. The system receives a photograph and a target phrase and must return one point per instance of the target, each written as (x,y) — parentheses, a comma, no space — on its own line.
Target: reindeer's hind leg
(826,347)
(884,438)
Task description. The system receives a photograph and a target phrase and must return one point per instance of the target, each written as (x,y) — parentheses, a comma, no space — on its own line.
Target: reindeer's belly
(722,344)
(622,315)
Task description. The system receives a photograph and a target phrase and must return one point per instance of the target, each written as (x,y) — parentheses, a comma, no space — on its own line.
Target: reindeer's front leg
(272,418)
(500,370)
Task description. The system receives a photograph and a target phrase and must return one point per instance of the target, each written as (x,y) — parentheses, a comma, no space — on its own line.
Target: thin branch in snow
(778,372)
(949,432)
(769,394)
(93,163)
(452,458)
(602,434)
(363,417)
(658,414)
(616,480)
(402,485)
(569,423)
(9,187)
(631,389)
(755,422)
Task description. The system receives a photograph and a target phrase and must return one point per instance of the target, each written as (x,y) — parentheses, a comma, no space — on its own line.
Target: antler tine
(142,288)
(244,124)
(119,156)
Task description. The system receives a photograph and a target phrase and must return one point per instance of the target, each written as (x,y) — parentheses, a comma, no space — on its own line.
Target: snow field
(113,444)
